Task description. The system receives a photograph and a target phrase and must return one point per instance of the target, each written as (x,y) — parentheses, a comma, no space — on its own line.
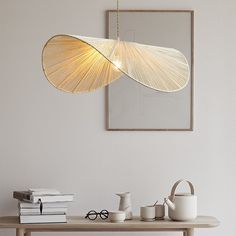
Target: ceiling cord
(117,21)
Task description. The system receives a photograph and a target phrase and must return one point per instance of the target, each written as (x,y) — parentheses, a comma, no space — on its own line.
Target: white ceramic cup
(117,216)
(147,213)
(160,211)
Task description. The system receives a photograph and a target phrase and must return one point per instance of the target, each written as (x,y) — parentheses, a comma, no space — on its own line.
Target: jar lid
(117,212)
(183,194)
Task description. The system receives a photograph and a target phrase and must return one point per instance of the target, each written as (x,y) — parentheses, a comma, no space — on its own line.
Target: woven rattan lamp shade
(76,64)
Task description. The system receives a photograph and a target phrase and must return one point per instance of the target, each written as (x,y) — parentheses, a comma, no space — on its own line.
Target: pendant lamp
(74,63)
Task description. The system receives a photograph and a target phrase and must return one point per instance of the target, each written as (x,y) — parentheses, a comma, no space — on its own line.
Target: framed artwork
(131,106)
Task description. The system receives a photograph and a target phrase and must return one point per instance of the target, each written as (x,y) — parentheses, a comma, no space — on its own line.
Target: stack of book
(42,205)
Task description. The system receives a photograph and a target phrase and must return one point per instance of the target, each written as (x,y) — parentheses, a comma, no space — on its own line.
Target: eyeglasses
(92,215)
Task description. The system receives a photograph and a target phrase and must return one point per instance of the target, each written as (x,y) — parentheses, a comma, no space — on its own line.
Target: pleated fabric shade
(76,64)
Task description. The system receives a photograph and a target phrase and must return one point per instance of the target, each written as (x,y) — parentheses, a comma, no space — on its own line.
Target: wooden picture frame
(191,62)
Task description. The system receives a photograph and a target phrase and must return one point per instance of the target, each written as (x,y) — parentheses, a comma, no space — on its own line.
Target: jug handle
(176,185)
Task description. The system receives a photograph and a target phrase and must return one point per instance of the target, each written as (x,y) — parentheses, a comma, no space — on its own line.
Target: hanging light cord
(117,21)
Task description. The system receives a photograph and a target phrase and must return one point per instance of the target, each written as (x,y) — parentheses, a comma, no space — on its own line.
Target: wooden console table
(79,224)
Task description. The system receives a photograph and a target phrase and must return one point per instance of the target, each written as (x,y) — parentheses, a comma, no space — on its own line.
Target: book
(45,211)
(30,219)
(43,191)
(22,195)
(29,205)
(28,197)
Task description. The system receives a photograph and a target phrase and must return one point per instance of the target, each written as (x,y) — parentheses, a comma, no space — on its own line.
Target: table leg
(27,233)
(189,232)
(20,232)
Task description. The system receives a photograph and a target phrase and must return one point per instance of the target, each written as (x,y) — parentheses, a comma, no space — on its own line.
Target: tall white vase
(125,204)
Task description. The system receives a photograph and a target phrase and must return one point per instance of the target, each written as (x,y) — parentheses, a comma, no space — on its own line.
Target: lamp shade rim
(99,45)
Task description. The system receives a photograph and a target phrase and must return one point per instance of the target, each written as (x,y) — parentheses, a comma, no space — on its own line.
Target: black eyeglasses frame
(103,215)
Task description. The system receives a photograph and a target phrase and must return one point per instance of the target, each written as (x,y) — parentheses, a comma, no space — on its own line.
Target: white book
(29,205)
(42,219)
(28,197)
(52,198)
(45,211)
(43,191)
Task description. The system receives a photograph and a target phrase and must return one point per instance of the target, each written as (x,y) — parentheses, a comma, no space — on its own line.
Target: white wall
(52,139)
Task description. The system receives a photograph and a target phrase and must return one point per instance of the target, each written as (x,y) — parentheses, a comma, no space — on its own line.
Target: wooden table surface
(78,223)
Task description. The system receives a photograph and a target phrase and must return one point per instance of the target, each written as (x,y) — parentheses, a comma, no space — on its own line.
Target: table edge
(111,227)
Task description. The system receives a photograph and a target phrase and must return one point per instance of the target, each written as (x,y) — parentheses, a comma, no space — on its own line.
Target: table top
(78,223)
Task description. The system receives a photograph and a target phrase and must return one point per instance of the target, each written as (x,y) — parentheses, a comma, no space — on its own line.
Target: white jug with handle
(125,204)
(182,206)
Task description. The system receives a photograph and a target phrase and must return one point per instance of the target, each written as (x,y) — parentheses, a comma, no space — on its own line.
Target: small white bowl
(117,216)
(147,213)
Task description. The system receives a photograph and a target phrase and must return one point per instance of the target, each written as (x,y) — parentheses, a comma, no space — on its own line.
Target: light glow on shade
(118,64)
(77,64)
